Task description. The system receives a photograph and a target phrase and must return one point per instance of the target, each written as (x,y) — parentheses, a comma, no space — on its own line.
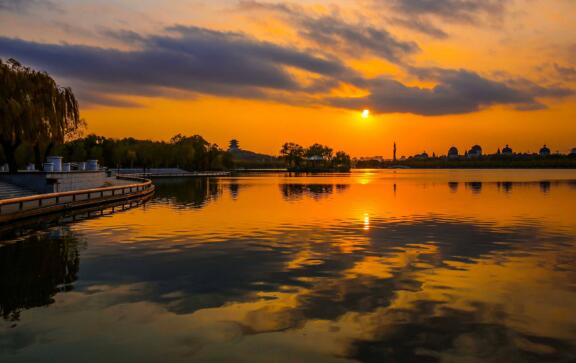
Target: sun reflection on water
(320,268)
(366,222)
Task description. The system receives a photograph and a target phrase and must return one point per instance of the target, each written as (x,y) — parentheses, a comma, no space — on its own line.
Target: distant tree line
(186,152)
(317,157)
(190,153)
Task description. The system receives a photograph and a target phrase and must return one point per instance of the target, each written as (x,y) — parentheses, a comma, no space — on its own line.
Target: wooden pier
(19,208)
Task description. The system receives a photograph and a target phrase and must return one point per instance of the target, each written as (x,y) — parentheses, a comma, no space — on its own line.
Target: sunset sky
(433,73)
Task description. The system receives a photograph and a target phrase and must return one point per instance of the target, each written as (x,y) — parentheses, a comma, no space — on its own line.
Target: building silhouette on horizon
(544,151)
(453,153)
(475,151)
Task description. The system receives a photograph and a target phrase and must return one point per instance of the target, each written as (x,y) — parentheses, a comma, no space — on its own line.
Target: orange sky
(486,63)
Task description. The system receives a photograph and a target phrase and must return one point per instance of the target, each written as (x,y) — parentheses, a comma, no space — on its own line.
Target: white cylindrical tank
(49,167)
(66,167)
(92,165)
(56,161)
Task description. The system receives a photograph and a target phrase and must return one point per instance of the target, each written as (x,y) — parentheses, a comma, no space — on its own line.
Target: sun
(365,113)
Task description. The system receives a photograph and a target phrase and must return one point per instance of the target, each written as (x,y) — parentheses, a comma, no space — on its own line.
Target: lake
(372,266)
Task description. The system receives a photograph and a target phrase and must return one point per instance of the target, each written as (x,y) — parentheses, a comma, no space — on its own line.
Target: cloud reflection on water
(425,282)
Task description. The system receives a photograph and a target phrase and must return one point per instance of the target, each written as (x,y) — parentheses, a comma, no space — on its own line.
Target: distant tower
(394,158)
(234,145)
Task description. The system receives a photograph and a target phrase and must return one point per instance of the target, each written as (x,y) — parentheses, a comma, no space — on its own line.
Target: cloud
(421,25)
(421,15)
(100,98)
(185,58)
(356,39)
(452,10)
(332,32)
(22,6)
(192,60)
(568,73)
(552,91)
(456,92)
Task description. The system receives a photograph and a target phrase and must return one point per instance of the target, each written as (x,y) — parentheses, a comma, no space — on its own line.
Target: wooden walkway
(19,208)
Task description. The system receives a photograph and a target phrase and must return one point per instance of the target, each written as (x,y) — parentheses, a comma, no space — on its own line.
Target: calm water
(376,266)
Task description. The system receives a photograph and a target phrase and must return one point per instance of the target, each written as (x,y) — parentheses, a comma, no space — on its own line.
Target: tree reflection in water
(545,186)
(188,192)
(453,186)
(234,188)
(292,192)
(475,187)
(32,271)
(505,186)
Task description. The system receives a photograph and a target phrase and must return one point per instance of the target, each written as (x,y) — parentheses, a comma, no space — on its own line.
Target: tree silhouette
(190,153)
(34,109)
(341,161)
(292,153)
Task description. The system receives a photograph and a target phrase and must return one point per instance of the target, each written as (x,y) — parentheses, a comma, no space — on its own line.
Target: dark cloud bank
(188,59)
(456,92)
(203,61)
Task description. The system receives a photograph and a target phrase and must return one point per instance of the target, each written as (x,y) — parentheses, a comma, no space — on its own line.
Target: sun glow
(365,113)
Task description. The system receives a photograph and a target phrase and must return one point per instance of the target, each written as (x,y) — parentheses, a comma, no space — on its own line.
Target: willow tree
(35,110)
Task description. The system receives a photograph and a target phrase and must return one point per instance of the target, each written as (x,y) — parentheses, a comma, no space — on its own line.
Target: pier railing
(21,207)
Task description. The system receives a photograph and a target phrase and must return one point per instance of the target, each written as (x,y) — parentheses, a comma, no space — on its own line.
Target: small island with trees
(314,159)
